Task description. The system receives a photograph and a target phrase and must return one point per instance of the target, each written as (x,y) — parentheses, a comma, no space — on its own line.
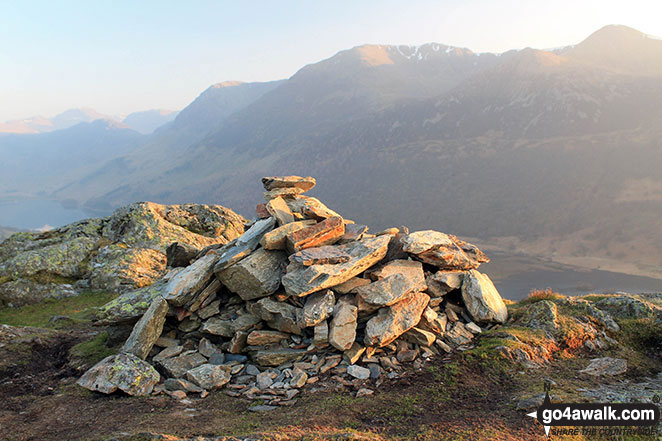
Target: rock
(433,322)
(210,310)
(411,269)
(420,336)
(187,283)
(188,325)
(288,193)
(606,366)
(458,335)
(473,328)
(278,315)
(238,342)
(387,291)
(325,232)
(276,357)
(318,307)
(301,280)
(364,392)
(393,321)
(209,376)
(444,251)
(243,245)
(358,372)
(442,282)
(265,337)
(179,365)
(310,208)
(261,211)
(166,342)
(321,334)
(207,348)
(262,408)
(264,380)
(125,372)
(227,328)
(482,299)
(342,329)
(543,315)
(255,276)
(175,384)
(147,330)
(348,286)
(353,232)
(320,256)
(354,353)
(276,239)
(274,182)
(180,254)
(279,209)
(299,380)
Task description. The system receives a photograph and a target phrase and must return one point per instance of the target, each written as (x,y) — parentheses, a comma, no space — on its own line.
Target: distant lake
(32,214)
(516,276)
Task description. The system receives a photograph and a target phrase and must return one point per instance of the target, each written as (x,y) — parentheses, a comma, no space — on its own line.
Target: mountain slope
(147,121)
(535,144)
(38,163)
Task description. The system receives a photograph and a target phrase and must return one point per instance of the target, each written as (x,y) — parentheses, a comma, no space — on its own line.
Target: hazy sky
(122,56)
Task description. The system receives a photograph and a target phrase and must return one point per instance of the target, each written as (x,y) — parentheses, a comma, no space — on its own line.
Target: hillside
(555,148)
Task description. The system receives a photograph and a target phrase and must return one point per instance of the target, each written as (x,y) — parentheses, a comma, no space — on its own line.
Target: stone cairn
(302,296)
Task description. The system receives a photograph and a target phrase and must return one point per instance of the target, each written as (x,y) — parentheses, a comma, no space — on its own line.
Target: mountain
(64,120)
(38,163)
(552,151)
(147,121)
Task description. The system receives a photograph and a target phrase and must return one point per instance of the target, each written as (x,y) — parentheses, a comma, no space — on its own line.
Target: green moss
(79,308)
(93,350)
(44,278)
(5,279)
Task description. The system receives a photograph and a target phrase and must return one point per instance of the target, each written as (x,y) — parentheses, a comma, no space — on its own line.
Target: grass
(93,350)
(78,308)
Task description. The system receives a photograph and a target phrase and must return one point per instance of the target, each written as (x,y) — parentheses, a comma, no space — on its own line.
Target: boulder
(393,321)
(542,314)
(325,232)
(443,251)
(358,372)
(228,327)
(278,315)
(243,245)
(209,376)
(125,372)
(180,254)
(318,307)
(301,280)
(387,291)
(276,239)
(320,256)
(442,282)
(482,299)
(458,334)
(342,329)
(147,330)
(275,182)
(279,210)
(255,276)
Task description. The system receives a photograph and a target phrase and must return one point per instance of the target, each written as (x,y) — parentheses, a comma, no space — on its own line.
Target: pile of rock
(301,293)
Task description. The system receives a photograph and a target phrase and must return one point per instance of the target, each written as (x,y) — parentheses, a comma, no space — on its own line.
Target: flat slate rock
(186,283)
(244,244)
(256,276)
(444,251)
(320,256)
(325,232)
(275,182)
(393,321)
(301,280)
(276,239)
(148,329)
(387,291)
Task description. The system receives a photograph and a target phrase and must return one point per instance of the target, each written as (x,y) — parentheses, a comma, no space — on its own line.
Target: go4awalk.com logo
(597,418)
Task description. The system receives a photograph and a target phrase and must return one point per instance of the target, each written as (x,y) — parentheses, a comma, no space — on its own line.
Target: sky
(124,56)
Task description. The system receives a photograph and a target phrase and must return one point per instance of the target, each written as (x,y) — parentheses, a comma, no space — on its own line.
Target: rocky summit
(302,291)
(119,253)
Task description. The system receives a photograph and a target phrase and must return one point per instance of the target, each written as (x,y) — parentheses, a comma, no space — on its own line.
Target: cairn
(303,295)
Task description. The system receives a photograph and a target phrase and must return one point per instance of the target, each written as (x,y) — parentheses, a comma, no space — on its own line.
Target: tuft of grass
(542,294)
(37,315)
